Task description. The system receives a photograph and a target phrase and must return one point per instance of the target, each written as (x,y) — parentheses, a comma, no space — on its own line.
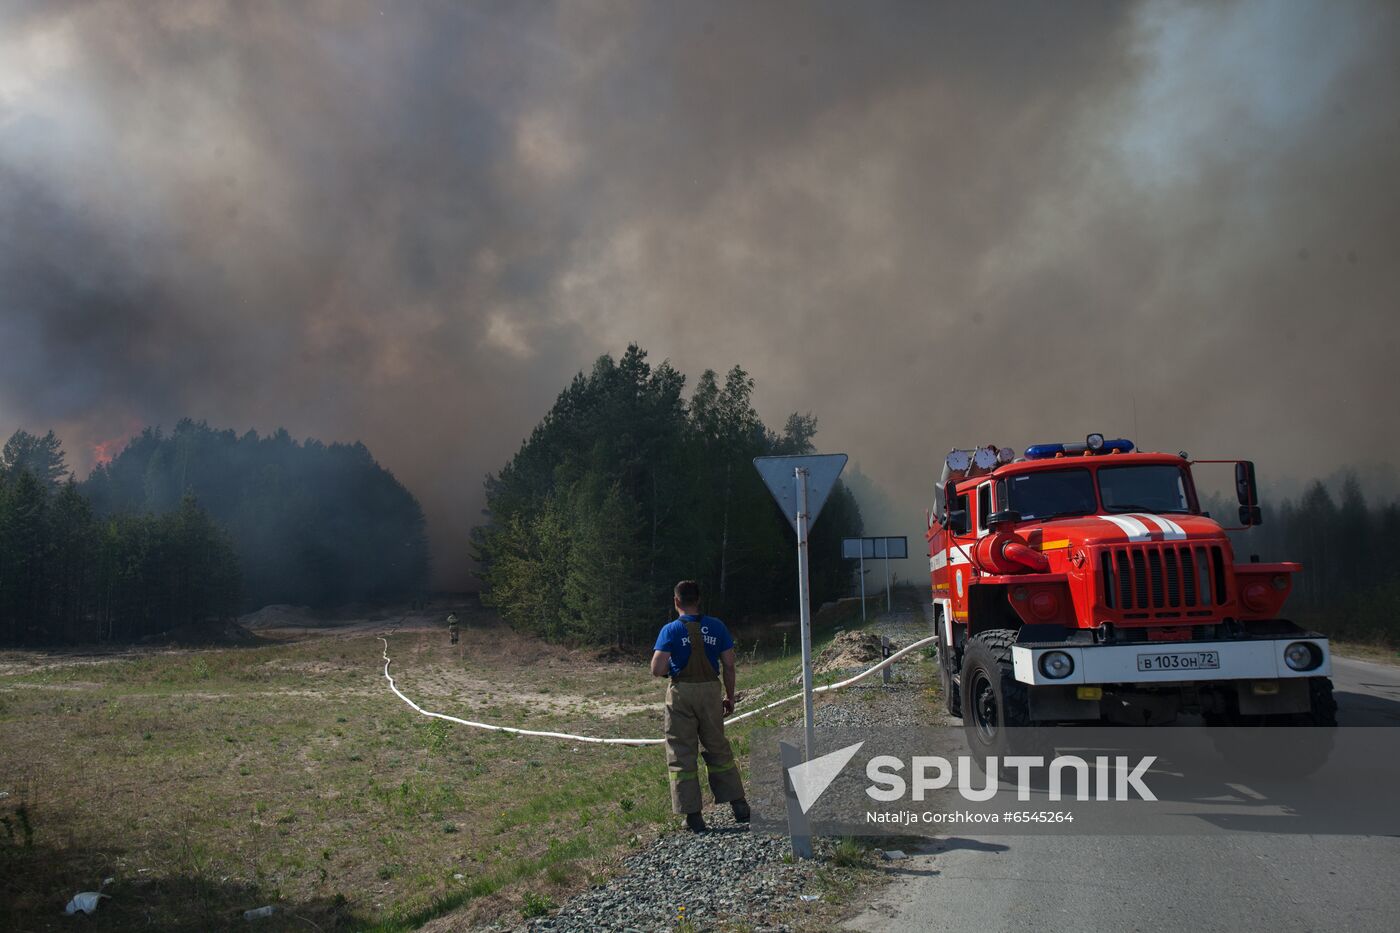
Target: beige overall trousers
(695,718)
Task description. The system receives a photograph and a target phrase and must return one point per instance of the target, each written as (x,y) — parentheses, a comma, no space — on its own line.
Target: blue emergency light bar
(1047,451)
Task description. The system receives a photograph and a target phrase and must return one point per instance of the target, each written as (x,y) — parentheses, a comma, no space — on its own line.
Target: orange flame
(104,451)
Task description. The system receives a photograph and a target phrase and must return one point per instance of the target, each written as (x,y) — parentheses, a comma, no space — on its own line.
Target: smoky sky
(930,225)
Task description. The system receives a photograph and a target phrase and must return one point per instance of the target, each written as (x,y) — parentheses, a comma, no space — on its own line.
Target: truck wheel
(1248,744)
(993,700)
(1323,711)
(952,690)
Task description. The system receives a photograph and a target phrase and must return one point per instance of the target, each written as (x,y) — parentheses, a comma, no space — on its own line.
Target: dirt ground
(208,781)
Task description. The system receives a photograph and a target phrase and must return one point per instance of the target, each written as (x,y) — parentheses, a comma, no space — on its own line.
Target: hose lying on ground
(588,738)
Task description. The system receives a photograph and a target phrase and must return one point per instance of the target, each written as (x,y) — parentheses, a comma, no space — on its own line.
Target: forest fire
(104,451)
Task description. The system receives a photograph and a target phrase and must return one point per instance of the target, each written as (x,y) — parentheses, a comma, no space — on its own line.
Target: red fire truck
(1083,582)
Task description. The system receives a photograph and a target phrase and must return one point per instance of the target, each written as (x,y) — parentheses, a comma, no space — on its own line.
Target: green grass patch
(289,774)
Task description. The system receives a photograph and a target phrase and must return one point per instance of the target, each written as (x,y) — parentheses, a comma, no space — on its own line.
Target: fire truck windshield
(1043,495)
(1148,488)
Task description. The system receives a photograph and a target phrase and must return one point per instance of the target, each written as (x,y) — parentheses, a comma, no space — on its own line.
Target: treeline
(1350,552)
(313,524)
(68,575)
(626,486)
(197,525)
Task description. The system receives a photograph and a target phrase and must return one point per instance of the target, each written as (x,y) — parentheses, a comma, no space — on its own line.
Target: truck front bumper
(1174,662)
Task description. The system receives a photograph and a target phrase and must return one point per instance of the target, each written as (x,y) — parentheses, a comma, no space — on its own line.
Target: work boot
(741,810)
(695,822)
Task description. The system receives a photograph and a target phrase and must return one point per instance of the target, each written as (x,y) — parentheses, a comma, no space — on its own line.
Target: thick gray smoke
(410,223)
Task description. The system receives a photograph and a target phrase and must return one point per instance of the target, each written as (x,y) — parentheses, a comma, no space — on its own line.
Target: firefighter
(452,626)
(696,705)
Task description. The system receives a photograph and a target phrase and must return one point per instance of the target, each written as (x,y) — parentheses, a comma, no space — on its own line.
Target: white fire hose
(588,738)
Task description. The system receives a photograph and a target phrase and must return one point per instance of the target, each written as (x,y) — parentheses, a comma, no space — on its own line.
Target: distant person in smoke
(452,626)
(696,705)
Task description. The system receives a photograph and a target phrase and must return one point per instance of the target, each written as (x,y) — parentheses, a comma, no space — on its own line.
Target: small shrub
(848,853)
(536,905)
(26,831)
(435,736)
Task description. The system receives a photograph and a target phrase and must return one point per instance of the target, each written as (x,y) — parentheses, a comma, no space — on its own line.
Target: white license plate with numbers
(1180,661)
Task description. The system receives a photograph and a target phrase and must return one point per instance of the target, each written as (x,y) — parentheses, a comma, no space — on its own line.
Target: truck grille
(1163,577)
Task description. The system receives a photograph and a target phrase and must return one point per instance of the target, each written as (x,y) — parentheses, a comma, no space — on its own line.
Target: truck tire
(992,699)
(947,663)
(952,689)
(1323,711)
(1247,743)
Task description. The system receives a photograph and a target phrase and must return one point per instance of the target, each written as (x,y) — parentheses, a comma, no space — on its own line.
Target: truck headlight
(1056,665)
(1302,656)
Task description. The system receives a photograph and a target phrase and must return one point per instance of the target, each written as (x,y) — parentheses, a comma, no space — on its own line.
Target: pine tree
(644,489)
(41,456)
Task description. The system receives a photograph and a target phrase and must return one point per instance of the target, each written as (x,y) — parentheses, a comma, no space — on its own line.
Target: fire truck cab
(1084,582)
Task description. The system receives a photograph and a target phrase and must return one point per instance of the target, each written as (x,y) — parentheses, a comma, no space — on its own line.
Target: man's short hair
(688,593)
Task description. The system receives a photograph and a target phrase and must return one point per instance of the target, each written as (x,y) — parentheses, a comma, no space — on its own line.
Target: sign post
(799,829)
(862,586)
(804,608)
(801,485)
(861,548)
(889,597)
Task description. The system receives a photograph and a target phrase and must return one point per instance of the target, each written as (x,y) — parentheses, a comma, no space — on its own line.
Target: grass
(213,781)
(850,853)
(1367,652)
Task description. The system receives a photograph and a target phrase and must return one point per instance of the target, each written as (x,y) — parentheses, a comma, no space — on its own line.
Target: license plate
(1180,661)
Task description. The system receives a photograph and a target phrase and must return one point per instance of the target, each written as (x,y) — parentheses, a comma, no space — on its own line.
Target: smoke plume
(930,225)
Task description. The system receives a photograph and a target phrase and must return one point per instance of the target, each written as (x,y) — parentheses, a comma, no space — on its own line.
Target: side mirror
(1245,489)
(957,521)
(1004,517)
(1251,515)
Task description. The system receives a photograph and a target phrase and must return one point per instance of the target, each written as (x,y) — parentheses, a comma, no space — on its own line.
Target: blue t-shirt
(675,638)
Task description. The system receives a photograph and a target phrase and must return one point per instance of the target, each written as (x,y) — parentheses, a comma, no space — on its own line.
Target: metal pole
(799,830)
(804,604)
(862,581)
(888,604)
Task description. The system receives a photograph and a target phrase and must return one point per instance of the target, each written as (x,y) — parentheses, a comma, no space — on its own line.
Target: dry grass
(208,782)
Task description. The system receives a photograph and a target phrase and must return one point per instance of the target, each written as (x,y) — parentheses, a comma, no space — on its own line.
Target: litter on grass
(85,902)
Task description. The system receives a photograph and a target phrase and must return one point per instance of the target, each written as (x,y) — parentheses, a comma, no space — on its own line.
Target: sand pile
(277,616)
(850,651)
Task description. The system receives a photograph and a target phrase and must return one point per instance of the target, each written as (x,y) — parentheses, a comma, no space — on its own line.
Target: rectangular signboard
(893,548)
(874,548)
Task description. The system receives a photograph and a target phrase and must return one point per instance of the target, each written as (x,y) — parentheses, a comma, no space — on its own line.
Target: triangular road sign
(780,475)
